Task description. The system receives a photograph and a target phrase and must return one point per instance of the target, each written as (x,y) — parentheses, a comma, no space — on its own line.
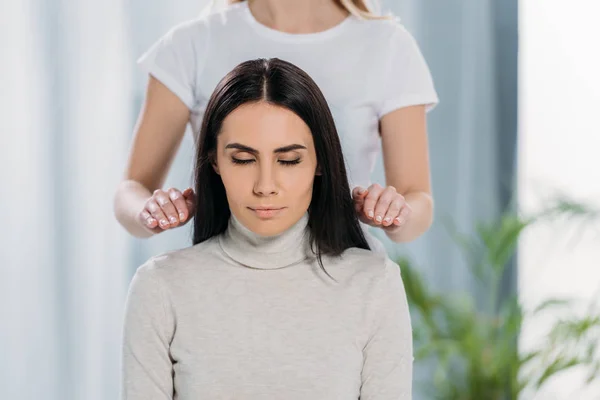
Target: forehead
(264,126)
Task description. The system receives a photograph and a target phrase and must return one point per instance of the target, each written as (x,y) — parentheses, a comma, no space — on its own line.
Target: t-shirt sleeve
(407,78)
(388,354)
(147,369)
(174,59)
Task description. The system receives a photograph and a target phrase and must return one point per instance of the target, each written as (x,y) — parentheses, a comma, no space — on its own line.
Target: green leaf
(528,356)
(558,365)
(502,239)
(593,375)
(475,352)
(573,329)
(552,303)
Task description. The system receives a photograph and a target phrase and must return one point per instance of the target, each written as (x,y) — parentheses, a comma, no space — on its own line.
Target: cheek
(237,183)
(299,182)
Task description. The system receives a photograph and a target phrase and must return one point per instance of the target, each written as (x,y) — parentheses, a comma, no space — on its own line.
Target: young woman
(279,297)
(372,74)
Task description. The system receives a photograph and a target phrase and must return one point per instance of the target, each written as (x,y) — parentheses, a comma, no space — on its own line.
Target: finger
(188,191)
(371,200)
(359,192)
(404,215)
(190,200)
(147,219)
(358,197)
(157,213)
(179,203)
(393,211)
(388,195)
(163,200)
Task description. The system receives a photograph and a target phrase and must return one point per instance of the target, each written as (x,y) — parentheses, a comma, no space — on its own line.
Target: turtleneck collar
(266,252)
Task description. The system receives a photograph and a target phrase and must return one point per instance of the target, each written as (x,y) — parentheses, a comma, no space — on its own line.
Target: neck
(266,252)
(298,16)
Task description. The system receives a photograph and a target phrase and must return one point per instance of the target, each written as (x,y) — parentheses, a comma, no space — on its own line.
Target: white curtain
(29,327)
(66,117)
(70,93)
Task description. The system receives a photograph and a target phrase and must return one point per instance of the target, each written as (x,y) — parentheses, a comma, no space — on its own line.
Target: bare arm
(158,135)
(406,164)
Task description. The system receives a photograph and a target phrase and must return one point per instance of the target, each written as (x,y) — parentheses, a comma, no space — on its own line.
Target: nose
(265,184)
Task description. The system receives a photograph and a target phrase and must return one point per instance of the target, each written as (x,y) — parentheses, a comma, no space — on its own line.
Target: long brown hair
(332,220)
(358,8)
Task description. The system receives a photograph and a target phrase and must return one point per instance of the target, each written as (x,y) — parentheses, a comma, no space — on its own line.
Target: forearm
(129,200)
(419,221)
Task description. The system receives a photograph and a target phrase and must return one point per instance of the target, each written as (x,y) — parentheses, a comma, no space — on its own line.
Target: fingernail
(164,222)
(400,221)
(173,220)
(378,219)
(370,214)
(149,221)
(361,190)
(387,220)
(181,217)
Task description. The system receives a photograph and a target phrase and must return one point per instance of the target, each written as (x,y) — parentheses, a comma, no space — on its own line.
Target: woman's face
(267,161)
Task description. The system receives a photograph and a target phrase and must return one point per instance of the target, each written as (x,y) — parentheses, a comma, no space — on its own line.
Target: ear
(213,162)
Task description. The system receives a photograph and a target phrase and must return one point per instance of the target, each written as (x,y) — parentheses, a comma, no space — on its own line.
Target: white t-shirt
(365,69)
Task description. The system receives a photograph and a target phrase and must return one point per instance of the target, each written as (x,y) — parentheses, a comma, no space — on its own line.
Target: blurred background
(514,149)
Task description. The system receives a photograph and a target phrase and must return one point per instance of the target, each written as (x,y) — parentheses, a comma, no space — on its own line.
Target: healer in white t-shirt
(370,69)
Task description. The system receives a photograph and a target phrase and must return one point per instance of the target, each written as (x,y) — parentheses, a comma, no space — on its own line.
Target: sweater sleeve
(388,354)
(147,370)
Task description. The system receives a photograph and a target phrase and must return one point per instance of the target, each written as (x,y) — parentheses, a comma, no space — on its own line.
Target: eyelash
(282,162)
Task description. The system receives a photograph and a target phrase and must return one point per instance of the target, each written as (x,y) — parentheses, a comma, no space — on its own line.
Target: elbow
(429,213)
(424,218)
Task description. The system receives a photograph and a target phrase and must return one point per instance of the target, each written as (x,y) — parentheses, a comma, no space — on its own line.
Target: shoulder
(208,23)
(177,264)
(390,30)
(369,267)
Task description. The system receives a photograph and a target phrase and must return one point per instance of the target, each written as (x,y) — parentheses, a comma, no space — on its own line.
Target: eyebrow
(248,149)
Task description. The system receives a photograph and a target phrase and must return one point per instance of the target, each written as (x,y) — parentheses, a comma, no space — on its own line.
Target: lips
(265,212)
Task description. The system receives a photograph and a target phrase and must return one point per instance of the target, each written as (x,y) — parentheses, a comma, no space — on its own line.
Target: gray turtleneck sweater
(246,317)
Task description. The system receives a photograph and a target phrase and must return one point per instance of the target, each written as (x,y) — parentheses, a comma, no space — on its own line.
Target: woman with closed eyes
(279,297)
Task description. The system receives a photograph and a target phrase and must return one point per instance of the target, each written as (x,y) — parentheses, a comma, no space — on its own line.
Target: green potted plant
(474,345)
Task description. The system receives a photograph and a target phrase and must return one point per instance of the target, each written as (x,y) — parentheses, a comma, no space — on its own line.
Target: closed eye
(242,162)
(282,162)
(289,162)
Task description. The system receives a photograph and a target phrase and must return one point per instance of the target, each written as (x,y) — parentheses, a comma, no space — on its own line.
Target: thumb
(359,193)
(358,197)
(190,199)
(187,192)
